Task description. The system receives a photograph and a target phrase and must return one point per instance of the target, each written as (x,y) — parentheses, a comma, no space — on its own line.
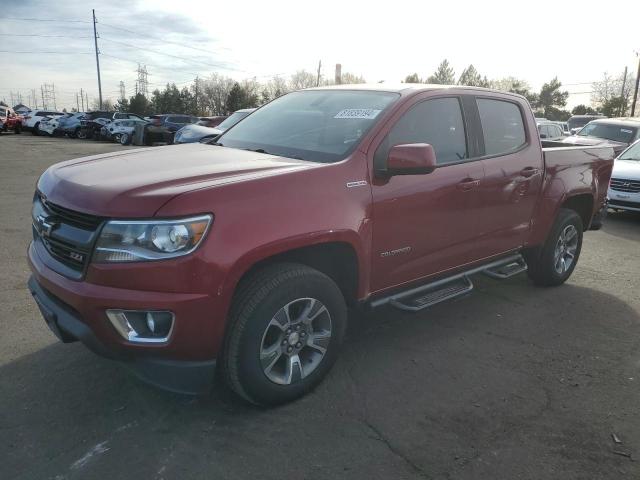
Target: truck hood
(626,169)
(136,183)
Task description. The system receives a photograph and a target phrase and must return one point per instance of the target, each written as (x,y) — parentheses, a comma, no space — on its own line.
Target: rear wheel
(125,139)
(286,326)
(554,262)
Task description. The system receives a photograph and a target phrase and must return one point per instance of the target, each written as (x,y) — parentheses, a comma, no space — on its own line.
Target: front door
(426,224)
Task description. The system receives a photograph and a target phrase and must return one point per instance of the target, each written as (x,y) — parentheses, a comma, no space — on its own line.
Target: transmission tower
(16,98)
(142,84)
(48,93)
(123,91)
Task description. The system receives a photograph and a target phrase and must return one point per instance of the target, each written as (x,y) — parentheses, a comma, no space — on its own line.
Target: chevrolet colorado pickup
(246,254)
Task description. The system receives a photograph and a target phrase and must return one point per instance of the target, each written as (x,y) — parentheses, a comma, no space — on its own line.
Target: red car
(10,120)
(246,253)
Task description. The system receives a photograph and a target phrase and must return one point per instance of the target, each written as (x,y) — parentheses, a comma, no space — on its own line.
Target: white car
(121,131)
(33,118)
(624,188)
(47,125)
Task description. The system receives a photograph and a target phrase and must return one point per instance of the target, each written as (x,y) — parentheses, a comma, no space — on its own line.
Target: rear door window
(438,122)
(502,126)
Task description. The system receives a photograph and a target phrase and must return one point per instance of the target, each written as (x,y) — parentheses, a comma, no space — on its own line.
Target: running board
(507,270)
(425,299)
(425,296)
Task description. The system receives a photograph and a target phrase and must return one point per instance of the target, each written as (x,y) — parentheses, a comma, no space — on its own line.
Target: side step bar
(424,296)
(507,270)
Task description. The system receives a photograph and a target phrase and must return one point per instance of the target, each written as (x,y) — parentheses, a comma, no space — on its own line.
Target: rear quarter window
(502,126)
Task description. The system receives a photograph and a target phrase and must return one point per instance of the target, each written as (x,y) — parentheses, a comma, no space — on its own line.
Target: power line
(44,20)
(188,60)
(47,53)
(157,38)
(46,36)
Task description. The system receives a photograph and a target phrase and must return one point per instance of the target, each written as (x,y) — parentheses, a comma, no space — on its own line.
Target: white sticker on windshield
(626,131)
(366,113)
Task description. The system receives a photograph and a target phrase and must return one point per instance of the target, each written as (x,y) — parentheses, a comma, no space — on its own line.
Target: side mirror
(411,159)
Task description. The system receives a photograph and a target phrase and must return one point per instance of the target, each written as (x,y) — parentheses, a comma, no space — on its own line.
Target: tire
(17,129)
(554,262)
(125,139)
(36,129)
(80,133)
(255,362)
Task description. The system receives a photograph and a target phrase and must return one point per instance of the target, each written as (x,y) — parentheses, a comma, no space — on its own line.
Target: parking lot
(510,382)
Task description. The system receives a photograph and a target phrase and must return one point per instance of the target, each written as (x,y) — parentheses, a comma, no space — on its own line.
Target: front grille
(624,185)
(67,235)
(71,217)
(70,255)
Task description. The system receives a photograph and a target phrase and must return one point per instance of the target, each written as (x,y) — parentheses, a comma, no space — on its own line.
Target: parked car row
(120,126)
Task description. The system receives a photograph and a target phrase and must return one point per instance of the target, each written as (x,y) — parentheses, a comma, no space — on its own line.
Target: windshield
(577,122)
(232,120)
(632,153)
(609,131)
(315,125)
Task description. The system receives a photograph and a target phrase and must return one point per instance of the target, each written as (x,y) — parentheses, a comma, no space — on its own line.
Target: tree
(216,93)
(444,75)
(472,78)
(550,99)
(583,110)
(107,104)
(613,106)
(302,79)
(139,104)
(122,105)
(274,88)
(413,78)
(348,78)
(514,85)
(241,97)
(606,90)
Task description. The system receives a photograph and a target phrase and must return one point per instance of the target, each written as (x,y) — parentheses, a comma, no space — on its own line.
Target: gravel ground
(511,382)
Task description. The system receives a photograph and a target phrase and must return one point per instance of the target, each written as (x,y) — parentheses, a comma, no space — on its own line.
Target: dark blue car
(172,122)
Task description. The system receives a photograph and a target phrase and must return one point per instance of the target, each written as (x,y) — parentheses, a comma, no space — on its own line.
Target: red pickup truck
(10,120)
(246,254)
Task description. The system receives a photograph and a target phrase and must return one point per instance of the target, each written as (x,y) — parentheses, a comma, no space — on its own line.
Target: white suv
(624,189)
(33,118)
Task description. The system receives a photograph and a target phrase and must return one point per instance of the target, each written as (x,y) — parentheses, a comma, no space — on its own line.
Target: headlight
(144,240)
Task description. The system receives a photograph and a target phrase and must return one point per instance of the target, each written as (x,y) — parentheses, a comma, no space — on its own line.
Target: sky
(382,41)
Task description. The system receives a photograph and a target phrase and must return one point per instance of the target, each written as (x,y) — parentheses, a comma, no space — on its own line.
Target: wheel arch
(582,204)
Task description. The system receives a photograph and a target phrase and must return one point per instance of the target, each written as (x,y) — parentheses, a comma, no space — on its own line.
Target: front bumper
(75,310)
(624,200)
(190,377)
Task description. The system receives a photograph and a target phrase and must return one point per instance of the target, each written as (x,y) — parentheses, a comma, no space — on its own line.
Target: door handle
(467,184)
(529,172)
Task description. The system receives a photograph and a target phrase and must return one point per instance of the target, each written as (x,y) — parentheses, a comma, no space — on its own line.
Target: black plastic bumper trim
(187,377)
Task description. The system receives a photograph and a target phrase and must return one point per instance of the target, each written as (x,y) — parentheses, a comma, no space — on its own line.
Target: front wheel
(36,129)
(286,326)
(554,262)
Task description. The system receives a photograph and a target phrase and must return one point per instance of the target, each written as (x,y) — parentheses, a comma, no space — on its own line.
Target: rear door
(426,224)
(513,167)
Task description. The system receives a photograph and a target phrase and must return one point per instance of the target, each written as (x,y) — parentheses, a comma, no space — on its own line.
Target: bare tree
(302,79)
(609,88)
(216,91)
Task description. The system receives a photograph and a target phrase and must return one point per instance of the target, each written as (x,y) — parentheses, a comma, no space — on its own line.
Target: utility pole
(95,40)
(196,97)
(623,101)
(44,106)
(635,93)
(318,79)
(338,75)
(82,99)
(77,103)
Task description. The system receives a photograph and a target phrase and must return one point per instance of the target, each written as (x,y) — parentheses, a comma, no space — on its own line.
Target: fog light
(142,326)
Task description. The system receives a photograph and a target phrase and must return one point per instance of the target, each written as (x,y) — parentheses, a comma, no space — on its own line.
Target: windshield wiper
(257,150)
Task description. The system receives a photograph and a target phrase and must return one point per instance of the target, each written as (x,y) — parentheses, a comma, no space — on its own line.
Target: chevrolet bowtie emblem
(45,227)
